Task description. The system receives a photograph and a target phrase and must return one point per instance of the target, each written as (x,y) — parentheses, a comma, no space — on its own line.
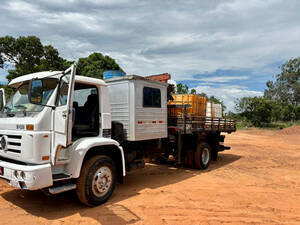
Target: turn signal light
(46,157)
(29,127)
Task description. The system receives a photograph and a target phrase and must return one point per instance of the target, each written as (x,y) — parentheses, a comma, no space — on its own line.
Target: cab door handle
(64,114)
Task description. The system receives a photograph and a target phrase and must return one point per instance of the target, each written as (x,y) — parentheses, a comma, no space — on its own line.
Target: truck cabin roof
(135,77)
(15,83)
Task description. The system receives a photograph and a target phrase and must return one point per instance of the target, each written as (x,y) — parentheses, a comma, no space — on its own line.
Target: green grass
(243,124)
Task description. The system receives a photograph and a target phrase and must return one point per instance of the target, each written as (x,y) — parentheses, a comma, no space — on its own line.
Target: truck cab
(55,135)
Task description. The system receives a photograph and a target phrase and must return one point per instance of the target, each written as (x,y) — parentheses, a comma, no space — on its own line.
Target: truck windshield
(19,102)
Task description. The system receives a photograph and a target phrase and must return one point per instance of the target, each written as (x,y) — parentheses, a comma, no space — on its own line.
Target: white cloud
(182,38)
(21,7)
(172,82)
(228,93)
(222,79)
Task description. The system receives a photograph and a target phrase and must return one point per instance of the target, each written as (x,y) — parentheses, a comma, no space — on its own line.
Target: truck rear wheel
(202,156)
(97,180)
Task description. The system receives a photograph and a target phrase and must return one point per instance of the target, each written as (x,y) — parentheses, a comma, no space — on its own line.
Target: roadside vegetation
(280,105)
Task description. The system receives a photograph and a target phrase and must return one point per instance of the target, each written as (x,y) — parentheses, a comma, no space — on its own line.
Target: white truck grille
(13,143)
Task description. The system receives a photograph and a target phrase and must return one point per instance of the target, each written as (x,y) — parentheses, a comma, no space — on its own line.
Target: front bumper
(27,177)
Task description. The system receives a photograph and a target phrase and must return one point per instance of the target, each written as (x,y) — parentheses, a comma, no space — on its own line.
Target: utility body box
(140,104)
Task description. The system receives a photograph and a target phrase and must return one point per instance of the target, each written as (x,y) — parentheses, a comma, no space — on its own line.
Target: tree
(214,100)
(203,95)
(242,104)
(259,110)
(28,55)
(52,61)
(281,101)
(182,89)
(270,92)
(286,88)
(95,64)
(193,91)
(256,109)
(297,112)
(217,101)
(8,91)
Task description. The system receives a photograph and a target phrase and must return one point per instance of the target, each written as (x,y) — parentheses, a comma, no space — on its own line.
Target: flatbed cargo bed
(189,123)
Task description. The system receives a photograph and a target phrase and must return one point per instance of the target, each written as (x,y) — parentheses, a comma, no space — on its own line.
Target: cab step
(60,189)
(60,176)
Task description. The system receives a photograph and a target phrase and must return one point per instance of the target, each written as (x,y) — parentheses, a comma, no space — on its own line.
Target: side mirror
(35,91)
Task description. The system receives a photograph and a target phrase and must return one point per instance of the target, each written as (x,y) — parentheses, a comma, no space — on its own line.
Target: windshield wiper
(20,106)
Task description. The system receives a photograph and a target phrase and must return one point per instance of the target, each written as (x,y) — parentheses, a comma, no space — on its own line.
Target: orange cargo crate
(196,105)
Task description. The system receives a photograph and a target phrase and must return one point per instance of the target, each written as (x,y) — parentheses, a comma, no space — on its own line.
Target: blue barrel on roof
(113,73)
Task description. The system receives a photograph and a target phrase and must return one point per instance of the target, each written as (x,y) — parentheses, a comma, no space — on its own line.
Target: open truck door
(62,133)
(2,98)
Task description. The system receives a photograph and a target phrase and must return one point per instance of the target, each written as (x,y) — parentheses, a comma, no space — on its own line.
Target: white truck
(61,131)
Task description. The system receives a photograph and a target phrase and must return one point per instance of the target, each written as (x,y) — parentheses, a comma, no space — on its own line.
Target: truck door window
(63,90)
(151,97)
(86,107)
(63,95)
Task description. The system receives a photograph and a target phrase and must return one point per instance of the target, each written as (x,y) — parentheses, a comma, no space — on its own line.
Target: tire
(202,156)
(92,191)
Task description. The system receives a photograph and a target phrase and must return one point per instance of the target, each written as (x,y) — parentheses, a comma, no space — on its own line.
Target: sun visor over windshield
(15,83)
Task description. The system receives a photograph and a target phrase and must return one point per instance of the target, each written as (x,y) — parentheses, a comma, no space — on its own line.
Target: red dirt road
(257,182)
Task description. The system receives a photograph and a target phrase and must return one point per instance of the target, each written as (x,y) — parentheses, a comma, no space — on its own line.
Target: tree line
(280,102)
(24,55)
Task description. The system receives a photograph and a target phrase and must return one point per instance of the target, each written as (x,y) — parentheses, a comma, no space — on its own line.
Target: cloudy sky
(228,49)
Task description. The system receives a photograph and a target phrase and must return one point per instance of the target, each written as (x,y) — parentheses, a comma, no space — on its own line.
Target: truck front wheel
(97,180)
(202,156)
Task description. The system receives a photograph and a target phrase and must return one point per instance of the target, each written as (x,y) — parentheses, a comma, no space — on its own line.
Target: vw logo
(3,142)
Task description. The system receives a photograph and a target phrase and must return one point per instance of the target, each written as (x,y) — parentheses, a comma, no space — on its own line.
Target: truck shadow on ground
(57,207)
